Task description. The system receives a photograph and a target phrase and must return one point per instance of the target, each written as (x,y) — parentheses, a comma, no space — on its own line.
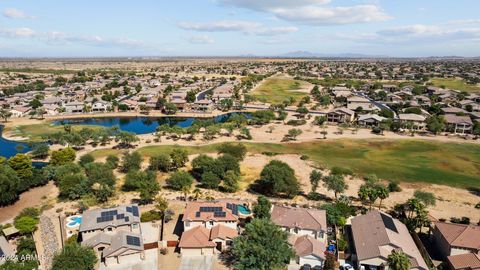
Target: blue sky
(88,28)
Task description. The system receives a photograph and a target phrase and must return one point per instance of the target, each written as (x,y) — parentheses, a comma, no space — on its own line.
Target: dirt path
(33,197)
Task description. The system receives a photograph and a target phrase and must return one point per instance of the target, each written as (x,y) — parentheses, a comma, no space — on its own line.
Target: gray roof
(376,234)
(98,219)
(121,239)
(302,218)
(5,248)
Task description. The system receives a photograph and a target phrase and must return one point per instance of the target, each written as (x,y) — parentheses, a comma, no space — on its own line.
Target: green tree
(126,138)
(398,260)
(112,161)
(74,257)
(210,180)
(22,164)
(148,190)
(40,151)
(63,156)
(427,198)
(179,180)
(161,162)
(278,178)
(85,159)
(230,181)
(170,108)
(161,204)
(131,162)
(315,177)
(179,157)
(335,183)
(26,224)
(249,248)
(190,96)
(238,150)
(262,208)
(9,185)
(134,179)
(435,124)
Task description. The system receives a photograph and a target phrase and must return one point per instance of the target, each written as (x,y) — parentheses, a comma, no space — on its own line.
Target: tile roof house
(340,115)
(209,226)
(458,124)
(458,243)
(376,235)
(114,233)
(370,120)
(6,250)
(308,233)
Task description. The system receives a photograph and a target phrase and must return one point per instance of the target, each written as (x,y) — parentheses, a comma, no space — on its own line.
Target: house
(308,233)
(114,233)
(73,107)
(223,91)
(376,235)
(453,110)
(340,115)
(6,250)
(204,105)
(100,106)
(210,226)
(355,102)
(459,124)
(20,111)
(368,120)
(459,244)
(122,218)
(411,120)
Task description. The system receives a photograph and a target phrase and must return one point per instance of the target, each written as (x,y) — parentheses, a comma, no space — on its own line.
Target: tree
(170,108)
(4,114)
(294,133)
(40,151)
(315,177)
(179,180)
(227,163)
(22,165)
(210,180)
(134,179)
(278,178)
(112,161)
(250,252)
(148,190)
(63,156)
(9,185)
(230,181)
(26,224)
(262,208)
(427,198)
(335,183)
(330,261)
(73,257)
(161,163)
(435,124)
(161,204)
(126,138)
(191,96)
(239,150)
(179,157)
(398,260)
(383,193)
(201,164)
(131,161)
(86,159)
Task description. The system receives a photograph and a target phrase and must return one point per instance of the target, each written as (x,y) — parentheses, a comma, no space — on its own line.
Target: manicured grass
(36,131)
(449,164)
(278,89)
(456,84)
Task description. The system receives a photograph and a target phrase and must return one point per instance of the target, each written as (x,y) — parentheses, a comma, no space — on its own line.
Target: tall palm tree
(398,260)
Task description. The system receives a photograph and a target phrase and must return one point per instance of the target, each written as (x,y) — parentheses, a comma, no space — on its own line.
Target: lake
(141,125)
(10,148)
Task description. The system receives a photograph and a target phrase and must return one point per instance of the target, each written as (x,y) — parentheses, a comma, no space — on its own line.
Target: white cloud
(314,12)
(249,28)
(201,39)
(23,32)
(14,13)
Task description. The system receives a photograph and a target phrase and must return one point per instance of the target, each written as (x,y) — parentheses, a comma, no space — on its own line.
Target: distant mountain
(307,54)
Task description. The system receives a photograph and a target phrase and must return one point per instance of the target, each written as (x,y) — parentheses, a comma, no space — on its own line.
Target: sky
(123,28)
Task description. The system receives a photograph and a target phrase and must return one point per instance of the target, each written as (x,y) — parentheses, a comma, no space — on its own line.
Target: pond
(141,125)
(10,148)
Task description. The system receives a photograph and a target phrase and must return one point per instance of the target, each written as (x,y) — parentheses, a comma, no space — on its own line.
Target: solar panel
(127,219)
(219,214)
(100,219)
(1,253)
(388,222)
(129,209)
(135,211)
(229,206)
(197,214)
(133,241)
(108,218)
(120,216)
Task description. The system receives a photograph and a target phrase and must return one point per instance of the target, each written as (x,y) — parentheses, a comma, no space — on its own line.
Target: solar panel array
(211,208)
(388,222)
(197,214)
(233,207)
(133,210)
(133,240)
(113,214)
(219,214)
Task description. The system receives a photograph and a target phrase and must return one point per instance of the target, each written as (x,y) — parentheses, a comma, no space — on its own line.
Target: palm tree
(383,193)
(4,114)
(197,193)
(398,260)
(186,190)
(161,204)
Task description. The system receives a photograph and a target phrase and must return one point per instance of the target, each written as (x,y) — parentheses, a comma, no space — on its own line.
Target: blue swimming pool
(243,210)
(74,221)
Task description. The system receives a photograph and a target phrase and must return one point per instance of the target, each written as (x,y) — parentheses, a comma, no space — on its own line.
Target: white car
(346,266)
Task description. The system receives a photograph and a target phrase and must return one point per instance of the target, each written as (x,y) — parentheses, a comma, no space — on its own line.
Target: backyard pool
(74,221)
(243,210)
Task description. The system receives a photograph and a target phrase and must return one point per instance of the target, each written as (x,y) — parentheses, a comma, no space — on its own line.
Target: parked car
(346,266)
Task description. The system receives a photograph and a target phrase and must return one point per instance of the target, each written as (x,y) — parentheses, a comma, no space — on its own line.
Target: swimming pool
(74,221)
(243,210)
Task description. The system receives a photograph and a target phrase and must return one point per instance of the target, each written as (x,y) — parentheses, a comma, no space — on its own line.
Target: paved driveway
(197,263)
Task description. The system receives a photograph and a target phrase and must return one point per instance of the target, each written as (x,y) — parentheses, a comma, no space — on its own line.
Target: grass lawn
(449,164)
(36,131)
(457,84)
(278,89)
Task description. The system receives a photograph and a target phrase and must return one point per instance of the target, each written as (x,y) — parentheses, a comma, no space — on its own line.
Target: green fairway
(278,89)
(456,84)
(449,164)
(36,131)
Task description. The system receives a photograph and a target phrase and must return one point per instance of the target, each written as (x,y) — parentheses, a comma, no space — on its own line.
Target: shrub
(477,206)
(304,157)
(394,187)
(341,171)
(342,244)
(296,122)
(149,216)
(164,251)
